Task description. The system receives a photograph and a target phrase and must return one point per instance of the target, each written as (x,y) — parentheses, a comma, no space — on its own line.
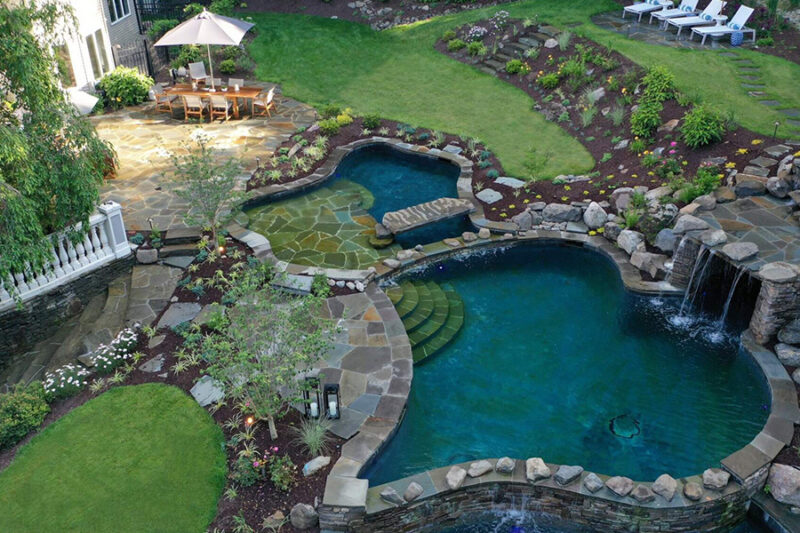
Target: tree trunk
(273,432)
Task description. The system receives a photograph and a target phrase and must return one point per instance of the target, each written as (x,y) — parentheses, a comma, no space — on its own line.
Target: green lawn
(141,458)
(398,74)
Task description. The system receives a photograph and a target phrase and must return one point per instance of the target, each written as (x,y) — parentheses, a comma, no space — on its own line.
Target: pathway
(426,213)
(144,138)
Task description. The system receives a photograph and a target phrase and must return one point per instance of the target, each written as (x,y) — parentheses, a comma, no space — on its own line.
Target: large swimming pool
(553,353)
(330,226)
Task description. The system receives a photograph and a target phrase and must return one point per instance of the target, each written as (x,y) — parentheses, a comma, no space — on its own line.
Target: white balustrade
(104,242)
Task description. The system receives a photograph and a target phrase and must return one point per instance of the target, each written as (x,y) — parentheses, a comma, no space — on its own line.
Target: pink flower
(256,464)
(673,143)
(672,151)
(275,449)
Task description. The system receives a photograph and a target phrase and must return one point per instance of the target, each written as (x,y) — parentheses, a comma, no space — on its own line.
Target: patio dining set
(708,22)
(209,96)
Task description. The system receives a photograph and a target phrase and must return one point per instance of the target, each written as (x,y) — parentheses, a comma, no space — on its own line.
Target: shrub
(548,81)
(344,119)
(702,126)
(190,53)
(312,434)
(21,410)
(705,181)
(659,84)
(516,66)
(125,86)
(493,174)
(160,27)
(64,382)
(765,41)
(646,118)
(228,66)
(563,40)
(231,52)
(448,35)
(330,111)
(455,44)
(248,468)
(372,121)
(587,116)
(477,48)
(476,33)
(281,471)
(137,239)
(329,126)
(617,115)
(110,356)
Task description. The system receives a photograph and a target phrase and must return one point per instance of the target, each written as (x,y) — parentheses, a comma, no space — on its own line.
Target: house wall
(125,31)
(90,17)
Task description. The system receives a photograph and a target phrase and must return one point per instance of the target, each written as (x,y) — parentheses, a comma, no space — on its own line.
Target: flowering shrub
(125,86)
(477,33)
(499,20)
(108,357)
(516,66)
(281,471)
(64,382)
(249,468)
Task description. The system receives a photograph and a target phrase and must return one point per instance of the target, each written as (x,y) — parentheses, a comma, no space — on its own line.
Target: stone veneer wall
(602,514)
(778,302)
(38,316)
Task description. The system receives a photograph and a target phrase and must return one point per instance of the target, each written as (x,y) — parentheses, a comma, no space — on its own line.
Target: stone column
(778,301)
(683,261)
(115,228)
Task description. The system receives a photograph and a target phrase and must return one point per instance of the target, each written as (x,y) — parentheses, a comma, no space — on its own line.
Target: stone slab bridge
(426,213)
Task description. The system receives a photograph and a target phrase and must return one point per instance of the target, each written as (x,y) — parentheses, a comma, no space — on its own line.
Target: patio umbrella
(207,28)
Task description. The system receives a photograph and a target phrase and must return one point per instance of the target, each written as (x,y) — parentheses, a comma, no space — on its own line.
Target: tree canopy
(52,161)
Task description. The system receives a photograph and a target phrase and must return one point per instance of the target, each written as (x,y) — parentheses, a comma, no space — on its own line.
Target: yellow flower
(634,175)
(564,198)
(742,151)
(567,188)
(651,173)
(503,215)
(797,154)
(684,162)
(600,230)
(585,192)
(538,196)
(512,206)
(526,201)
(603,191)
(756,142)
(730,165)
(592,233)
(494,209)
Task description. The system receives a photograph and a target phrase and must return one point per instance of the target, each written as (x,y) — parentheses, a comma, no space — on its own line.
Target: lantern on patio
(312,398)
(332,401)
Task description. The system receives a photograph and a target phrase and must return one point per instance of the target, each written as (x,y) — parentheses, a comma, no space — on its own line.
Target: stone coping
(439,251)
(434,482)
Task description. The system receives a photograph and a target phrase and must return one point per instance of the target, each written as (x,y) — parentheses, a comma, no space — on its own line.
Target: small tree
(208,183)
(266,341)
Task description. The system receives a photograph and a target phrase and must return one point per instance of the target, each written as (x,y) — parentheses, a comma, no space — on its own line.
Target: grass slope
(398,74)
(141,458)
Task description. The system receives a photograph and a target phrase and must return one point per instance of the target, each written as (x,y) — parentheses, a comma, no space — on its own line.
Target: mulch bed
(254,503)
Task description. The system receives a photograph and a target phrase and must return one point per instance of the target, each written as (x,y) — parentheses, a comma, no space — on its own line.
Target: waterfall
(697,262)
(675,255)
(739,273)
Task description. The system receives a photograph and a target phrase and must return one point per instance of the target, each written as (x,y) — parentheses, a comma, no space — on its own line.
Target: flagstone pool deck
(143,139)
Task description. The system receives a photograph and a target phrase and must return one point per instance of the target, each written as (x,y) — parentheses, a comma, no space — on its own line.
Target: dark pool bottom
(553,350)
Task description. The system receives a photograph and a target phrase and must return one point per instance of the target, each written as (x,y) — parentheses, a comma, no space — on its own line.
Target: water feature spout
(726,307)
(689,295)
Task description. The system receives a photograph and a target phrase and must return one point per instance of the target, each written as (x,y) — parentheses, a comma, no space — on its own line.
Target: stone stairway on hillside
(432,315)
(495,61)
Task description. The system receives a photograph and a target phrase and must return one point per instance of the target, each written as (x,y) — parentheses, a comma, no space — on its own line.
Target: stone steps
(444,335)
(424,308)
(496,65)
(434,319)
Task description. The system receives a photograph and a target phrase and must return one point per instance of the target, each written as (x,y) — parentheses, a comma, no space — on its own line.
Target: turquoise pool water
(330,225)
(553,348)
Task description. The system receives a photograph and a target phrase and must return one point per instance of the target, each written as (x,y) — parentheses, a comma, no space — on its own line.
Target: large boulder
(455,477)
(665,486)
(790,333)
(621,198)
(653,195)
(724,195)
(315,465)
(561,213)
(778,187)
(524,220)
(689,223)
(707,202)
(647,262)
(620,485)
(665,241)
(749,187)
(567,474)
(740,251)
(715,478)
(630,241)
(788,355)
(303,516)
(611,231)
(536,469)
(595,216)
(784,484)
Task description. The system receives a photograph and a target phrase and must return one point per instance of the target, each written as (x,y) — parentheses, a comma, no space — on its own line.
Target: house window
(97,54)
(118,9)
(64,62)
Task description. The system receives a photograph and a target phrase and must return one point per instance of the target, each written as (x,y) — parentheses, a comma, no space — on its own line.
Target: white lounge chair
(708,16)
(736,24)
(197,71)
(645,7)
(687,8)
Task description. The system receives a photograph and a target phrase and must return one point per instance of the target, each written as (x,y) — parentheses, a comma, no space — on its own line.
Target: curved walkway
(143,139)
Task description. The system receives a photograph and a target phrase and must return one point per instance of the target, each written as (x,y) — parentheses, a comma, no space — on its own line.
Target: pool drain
(624,426)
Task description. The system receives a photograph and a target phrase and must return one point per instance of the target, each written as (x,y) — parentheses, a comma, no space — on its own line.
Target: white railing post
(115,229)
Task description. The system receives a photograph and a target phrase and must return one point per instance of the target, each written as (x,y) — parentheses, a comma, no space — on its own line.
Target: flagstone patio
(144,138)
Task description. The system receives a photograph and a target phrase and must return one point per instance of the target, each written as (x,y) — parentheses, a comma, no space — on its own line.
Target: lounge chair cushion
(706,16)
(735,26)
(687,9)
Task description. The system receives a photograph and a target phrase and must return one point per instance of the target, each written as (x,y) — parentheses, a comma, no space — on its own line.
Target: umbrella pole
(210,65)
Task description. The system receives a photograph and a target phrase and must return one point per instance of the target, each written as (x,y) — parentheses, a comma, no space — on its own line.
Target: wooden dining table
(184,89)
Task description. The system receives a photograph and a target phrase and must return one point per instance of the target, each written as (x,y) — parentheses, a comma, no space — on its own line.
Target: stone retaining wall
(37,317)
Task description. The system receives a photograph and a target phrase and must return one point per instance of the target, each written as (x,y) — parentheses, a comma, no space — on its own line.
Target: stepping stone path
(426,213)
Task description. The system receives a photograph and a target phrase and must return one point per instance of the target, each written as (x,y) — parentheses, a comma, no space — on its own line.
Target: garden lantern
(312,398)
(332,402)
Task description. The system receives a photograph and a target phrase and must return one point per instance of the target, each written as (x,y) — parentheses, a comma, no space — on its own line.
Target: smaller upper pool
(330,226)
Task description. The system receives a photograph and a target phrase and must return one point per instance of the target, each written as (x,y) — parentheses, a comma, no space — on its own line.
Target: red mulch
(260,500)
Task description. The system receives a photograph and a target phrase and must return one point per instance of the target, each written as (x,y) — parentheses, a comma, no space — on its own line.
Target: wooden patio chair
(262,104)
(220,107)
(164,100)
(194,106)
